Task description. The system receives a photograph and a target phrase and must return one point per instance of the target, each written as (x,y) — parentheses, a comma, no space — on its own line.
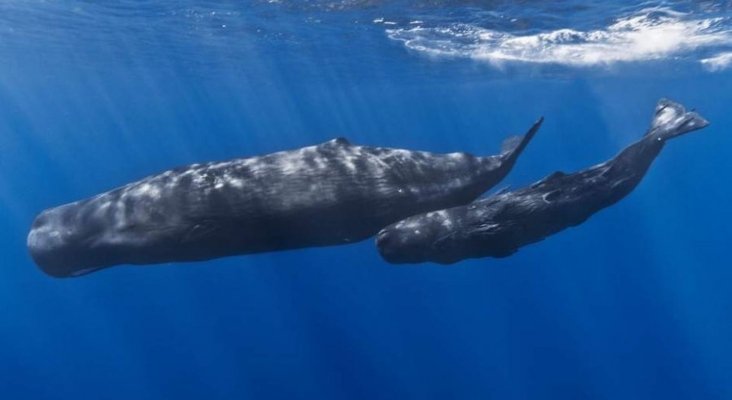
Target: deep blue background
(635,303)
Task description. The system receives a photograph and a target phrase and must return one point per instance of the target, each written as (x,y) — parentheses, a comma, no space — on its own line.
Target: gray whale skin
(499,225)
(329,194)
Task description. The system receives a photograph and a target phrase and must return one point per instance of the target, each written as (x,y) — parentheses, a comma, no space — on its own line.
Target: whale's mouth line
(61,256)
(84,271)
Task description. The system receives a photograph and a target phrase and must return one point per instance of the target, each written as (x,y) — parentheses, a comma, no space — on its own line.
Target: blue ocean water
(633,304)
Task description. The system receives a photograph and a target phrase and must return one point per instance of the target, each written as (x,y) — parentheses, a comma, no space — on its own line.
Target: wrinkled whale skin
(499,225)
(328,194)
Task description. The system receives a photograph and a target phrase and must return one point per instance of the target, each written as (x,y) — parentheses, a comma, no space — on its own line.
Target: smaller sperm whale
(499,225)
(329,194)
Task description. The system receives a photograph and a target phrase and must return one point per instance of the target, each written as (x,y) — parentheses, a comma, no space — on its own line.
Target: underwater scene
(365,199)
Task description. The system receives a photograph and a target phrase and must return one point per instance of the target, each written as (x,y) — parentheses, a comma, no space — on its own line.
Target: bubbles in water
(718,62)
(649,34)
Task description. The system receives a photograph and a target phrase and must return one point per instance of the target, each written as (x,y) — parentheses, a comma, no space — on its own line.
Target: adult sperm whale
(497,226)
(328,194)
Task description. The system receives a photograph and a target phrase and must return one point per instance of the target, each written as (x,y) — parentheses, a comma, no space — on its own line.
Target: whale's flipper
(671,119)
(513,146)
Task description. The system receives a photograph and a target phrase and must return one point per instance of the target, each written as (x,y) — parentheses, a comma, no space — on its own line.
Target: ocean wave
(649,34)
(718,62)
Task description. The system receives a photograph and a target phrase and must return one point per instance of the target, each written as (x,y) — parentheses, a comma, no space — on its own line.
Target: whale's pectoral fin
(513,146)
(671,119)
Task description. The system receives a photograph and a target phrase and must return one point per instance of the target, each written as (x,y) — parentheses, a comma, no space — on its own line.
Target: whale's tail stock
(671,119)
(512,147)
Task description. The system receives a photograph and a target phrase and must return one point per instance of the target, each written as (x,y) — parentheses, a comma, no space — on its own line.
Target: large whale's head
(88,235)
(411,240)
(63,246)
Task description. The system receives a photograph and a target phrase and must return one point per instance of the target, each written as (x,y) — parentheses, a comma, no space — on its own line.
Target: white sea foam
(649,34)
(718,62)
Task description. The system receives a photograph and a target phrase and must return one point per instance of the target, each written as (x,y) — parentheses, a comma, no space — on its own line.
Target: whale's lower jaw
(66,262)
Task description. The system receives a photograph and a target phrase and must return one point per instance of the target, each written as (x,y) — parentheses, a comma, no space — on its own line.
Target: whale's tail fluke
(671,119)
(512,147)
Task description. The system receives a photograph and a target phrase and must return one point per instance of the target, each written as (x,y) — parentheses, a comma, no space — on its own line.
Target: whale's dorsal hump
(552,177)
(337,142)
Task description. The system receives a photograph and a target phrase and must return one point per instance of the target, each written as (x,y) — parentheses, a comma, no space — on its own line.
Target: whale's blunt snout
(56,245)
(397,246)
(385,243)
(46,245)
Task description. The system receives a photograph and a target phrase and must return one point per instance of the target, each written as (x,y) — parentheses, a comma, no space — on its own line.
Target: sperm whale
(499,225)
(329,194)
